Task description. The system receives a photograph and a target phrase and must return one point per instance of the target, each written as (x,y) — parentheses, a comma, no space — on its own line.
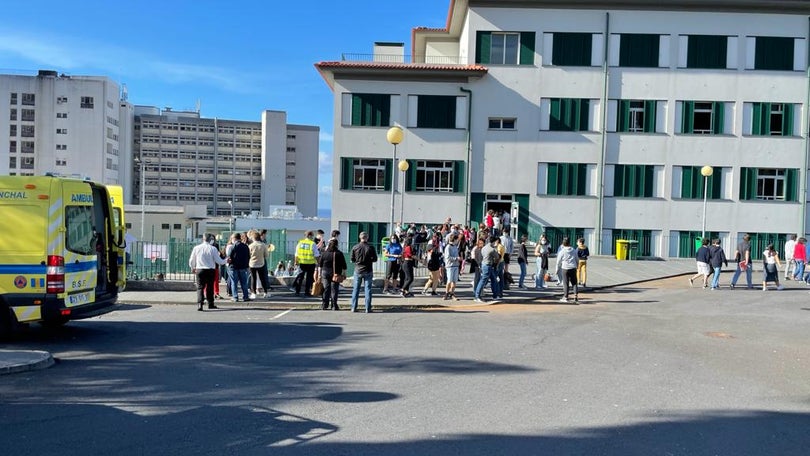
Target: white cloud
(67,54)
(324,162)
(325,191)
(326,137)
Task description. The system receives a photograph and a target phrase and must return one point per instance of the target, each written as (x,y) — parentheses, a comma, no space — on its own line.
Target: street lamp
(706,172)
(394,137)
(230,222)
(142,163)
(403,166)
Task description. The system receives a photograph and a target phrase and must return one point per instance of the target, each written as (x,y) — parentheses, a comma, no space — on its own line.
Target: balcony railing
(396,58)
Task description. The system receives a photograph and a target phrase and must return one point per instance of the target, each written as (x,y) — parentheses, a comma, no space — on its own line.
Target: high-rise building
(233,167)
(62,124)
(652,121)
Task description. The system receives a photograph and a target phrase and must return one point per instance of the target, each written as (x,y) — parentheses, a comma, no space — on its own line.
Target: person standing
(407,266)
(790,264)
(489,269)
(800,258)
(702,259)
(567,260)
(582,262)
(475,260)
(204,261)
(238,266)
(392,254)
(717,258)
(331,262)
(434,266)
(770,258)
(541,258)
(258,265)
(743,260)
(522,259)
(363,256)
(452,262)
(305,258)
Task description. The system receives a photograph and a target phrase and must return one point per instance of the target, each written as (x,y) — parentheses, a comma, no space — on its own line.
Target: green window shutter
(688,120)
(649,171)
(527,48)
(483,46)
(639,50)
(618,180)
(458,176)
(773,53)
(748,184)
(346,173)
(388,174)
(583,122)
(718,117)
(436,111)
(477,208)
(688,182)
(624,116)
(410,179)
(715,183)
(649,116)
(766,119)
(572,49)
(756,119)
(556,121)
(787,120)
(552,184)
(707,51)
(790,184)
(581,173)
(357,110)
(567,114)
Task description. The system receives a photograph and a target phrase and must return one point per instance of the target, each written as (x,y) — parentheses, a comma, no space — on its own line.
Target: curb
(15,361)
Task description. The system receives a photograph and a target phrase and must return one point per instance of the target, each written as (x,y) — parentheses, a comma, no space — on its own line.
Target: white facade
(515,142)
(233,167)
(61,124)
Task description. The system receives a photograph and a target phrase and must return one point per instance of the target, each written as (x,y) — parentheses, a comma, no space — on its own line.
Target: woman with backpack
(434,266)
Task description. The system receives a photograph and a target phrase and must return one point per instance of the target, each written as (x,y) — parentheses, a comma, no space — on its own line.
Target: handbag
(317,288)
(336,278)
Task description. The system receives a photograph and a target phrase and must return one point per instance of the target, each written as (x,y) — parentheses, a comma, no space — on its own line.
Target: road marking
(282,314)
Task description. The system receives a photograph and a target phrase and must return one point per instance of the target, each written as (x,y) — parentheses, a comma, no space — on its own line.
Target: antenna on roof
(198,105)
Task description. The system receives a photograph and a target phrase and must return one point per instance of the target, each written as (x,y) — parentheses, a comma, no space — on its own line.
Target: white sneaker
(252,296)
(764,288)
(478,300)
(563,299)
(780,287)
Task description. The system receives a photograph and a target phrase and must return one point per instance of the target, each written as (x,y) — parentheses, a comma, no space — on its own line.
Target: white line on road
(282,314)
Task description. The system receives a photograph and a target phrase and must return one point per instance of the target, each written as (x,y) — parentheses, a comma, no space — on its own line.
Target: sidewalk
(603,272)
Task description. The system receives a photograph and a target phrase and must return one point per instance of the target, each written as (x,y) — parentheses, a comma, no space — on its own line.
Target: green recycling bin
(632,250)
(622,247)
(698,243)
(384,243)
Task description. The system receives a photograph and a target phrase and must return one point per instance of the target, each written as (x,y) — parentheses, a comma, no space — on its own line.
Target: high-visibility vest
(304,251)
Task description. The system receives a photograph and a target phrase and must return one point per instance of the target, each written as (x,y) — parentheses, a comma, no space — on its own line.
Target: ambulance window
(79,224)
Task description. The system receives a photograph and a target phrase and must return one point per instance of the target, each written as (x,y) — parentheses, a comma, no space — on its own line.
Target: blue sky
(237,58)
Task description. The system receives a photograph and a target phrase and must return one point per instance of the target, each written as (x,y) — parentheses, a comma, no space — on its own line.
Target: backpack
(435,261)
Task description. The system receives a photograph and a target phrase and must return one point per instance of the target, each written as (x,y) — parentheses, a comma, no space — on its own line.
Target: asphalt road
(656,369)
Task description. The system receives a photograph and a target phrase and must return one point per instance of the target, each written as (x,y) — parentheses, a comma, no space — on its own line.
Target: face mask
(211,241)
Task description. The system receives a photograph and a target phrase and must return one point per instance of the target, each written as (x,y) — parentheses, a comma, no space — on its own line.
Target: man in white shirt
(203,260)
(790,263)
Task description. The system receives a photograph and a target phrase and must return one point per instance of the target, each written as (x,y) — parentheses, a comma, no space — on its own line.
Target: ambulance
(61,249)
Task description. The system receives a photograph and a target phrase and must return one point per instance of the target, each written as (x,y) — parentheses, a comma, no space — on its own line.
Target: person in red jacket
(800,257)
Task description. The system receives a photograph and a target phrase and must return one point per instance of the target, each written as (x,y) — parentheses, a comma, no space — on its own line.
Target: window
(28,115)
(28,99)
(692,183)
(569,114)
(365,174)
(707,51)
(633,181)
(639,50)
(61,147)
(164,226)
(435,176)
(567,179)
(12,162)
(774,53)
(371,110)
(60,100)
(769,184)
(636,116)
(556,234)
(12,114)
(502,123)
(61,162)
(505,48)
(61,131)
(27,147)
(13,99)
(61,115)
(27,163)
(27,131)
(436,111)
(643,237)
(87,102)
(703,117)
(12,130)
(572,49)
(772,119)
(12,146)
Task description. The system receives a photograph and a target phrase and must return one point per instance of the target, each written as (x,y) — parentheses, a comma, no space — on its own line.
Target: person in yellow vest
(306,257)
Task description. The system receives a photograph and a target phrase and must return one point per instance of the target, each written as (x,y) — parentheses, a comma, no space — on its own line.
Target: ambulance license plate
(78,299)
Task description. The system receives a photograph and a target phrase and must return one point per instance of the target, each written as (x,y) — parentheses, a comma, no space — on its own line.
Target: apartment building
(62,124)
(232,167)
(590,119)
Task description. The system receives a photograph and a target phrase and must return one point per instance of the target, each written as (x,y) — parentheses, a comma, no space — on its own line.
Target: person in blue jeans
(717,257)
(363,256)
(489,269)
(744,256)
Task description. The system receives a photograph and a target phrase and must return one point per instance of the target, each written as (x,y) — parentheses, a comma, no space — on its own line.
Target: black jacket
(240,256)
(325,263)
(717,257)
(364,256)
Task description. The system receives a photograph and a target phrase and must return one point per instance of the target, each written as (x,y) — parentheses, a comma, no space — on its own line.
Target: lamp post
(706,172)
(394,137)
(142,164)
(230,224)
(403,166)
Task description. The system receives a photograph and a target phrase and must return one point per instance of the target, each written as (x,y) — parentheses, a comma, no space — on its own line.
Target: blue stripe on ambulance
(31,269)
